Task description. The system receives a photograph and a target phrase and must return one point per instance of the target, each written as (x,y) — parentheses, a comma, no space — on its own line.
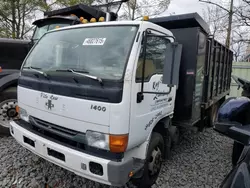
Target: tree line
(16,16)
(230,23)
(229,20)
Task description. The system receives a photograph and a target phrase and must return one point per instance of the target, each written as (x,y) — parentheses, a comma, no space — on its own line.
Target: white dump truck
(100,99)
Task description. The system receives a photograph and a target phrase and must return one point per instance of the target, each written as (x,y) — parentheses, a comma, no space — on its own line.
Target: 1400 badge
(98,108)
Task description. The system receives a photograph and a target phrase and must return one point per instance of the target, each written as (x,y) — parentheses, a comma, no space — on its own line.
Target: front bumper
(113,173)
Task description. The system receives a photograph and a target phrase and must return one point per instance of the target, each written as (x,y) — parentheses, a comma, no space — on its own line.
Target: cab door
(153,106)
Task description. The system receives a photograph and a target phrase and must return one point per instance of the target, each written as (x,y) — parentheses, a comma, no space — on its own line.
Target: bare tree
(242,12)
(47,5)
(217,21)
(14,16)
(135,9)
(230,12)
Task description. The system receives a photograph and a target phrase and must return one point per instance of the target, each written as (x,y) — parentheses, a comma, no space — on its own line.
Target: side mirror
(172,64)
(234,131)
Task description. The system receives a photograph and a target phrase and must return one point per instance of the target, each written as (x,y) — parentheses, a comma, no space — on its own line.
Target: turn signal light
(130,174)
(17,109)
(118,143)
(1,69)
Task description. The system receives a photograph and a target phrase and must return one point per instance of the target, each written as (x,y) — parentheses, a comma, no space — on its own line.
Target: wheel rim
(155,162)
(8,112)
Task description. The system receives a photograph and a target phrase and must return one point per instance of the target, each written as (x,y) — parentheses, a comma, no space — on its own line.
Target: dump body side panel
(186,90)
(218,77)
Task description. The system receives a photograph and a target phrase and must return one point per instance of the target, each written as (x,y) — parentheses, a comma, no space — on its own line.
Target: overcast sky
(185,6)
(188,6)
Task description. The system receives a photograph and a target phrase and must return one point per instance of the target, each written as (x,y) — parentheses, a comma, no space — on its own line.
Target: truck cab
(15,50)
(99,103)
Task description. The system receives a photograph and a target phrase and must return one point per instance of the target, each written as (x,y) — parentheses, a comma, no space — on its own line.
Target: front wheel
(8,103)
(153,162)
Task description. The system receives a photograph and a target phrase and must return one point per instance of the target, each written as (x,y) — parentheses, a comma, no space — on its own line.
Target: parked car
(239,176)
(240,107)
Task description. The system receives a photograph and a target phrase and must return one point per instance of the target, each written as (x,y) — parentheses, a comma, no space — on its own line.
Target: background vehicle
(102,101)
(241,109)
(13,52)
(240,174)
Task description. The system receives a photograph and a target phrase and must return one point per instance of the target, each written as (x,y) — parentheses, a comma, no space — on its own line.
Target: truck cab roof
(146,24)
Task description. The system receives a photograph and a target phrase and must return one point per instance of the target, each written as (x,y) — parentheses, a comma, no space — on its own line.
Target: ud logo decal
(49,104)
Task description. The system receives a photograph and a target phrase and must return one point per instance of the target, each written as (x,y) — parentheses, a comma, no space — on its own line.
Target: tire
(156,145)
(237,150)
(8,102)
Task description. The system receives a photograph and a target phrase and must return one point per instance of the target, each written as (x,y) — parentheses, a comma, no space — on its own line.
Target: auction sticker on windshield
(94,41)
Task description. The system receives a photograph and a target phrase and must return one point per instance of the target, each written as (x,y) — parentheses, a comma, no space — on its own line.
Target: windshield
(40,31)
(98,51)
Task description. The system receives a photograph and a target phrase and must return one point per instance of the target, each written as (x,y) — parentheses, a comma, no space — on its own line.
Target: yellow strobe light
(93,20)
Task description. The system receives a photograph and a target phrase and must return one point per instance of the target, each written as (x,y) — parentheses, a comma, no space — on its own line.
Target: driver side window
(155,57)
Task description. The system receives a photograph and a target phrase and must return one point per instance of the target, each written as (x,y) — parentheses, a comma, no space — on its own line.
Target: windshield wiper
(82,73)
(36,69)
(69,70)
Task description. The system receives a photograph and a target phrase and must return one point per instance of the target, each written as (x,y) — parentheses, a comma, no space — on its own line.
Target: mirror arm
(164,35)
(140,96)
(173,60)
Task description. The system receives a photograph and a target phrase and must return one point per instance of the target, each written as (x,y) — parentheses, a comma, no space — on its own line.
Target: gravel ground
(201,160)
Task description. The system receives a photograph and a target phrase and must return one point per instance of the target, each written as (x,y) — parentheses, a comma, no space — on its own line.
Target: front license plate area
(56,154)
(28,141)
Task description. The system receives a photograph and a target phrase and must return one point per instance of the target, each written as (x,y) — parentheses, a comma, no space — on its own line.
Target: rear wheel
(153,162)
(8,103)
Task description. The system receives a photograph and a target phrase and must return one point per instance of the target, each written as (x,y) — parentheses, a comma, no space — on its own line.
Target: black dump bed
(13,52)
(205,70)
(78,10)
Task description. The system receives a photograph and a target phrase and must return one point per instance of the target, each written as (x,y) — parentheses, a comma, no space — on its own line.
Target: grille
(67,136)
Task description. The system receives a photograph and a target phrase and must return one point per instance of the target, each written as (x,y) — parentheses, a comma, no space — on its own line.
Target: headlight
(23,114)
(98,140)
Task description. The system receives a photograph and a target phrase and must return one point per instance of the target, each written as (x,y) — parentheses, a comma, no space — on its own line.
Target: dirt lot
(200,160)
